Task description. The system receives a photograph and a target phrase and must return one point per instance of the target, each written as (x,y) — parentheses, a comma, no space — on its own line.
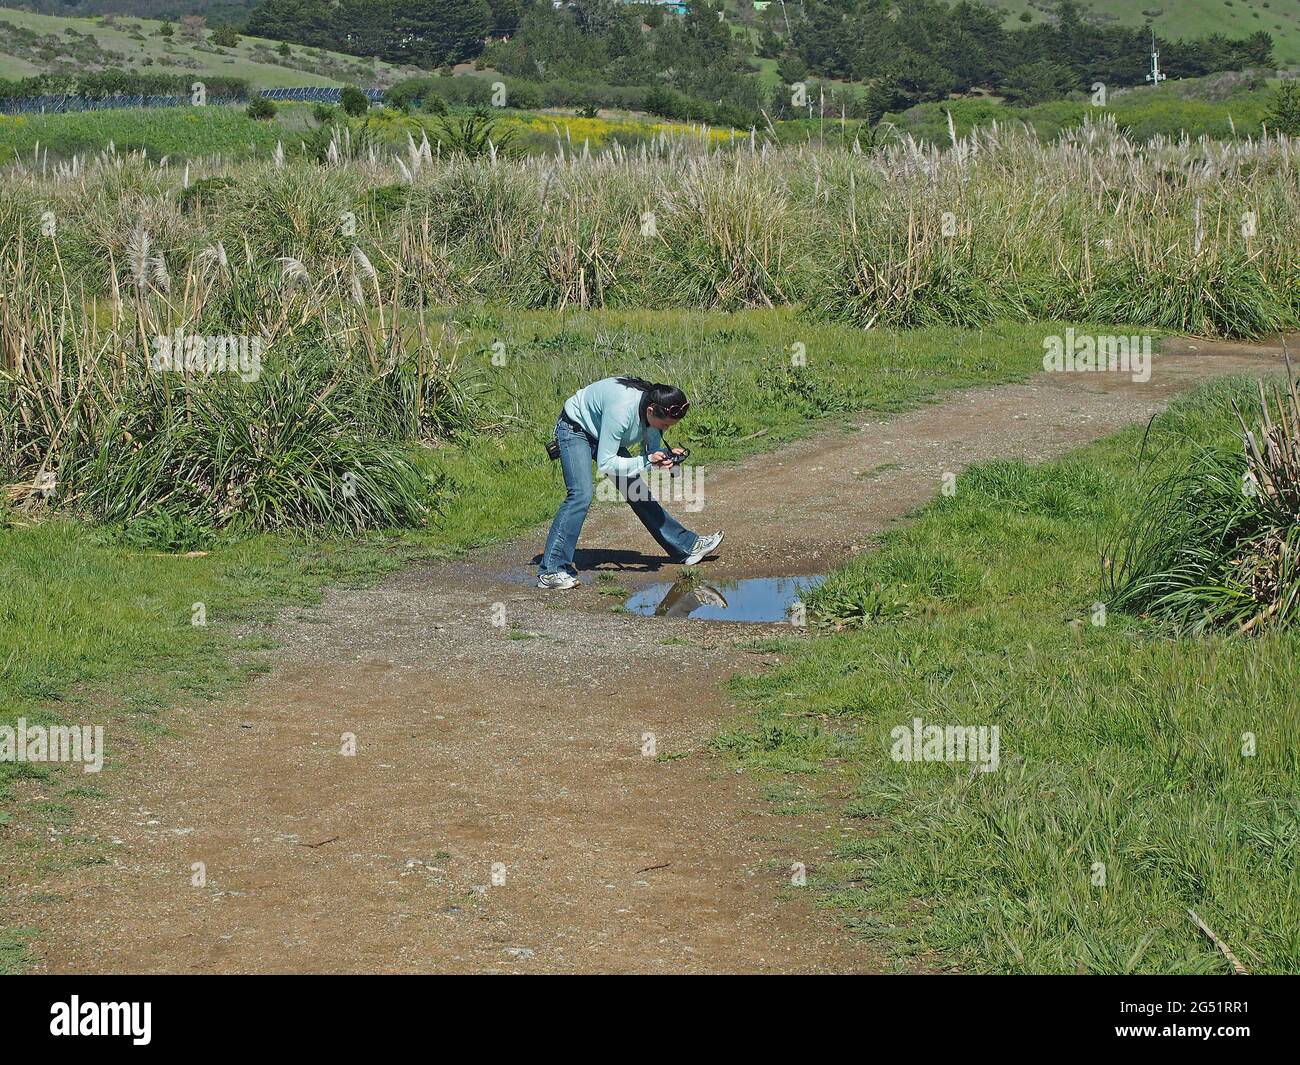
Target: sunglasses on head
(677,411)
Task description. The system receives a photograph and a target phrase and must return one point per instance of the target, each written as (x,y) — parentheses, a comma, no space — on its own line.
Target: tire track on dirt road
(479,745)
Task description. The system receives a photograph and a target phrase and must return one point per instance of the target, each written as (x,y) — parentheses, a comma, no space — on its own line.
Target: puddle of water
(756,599)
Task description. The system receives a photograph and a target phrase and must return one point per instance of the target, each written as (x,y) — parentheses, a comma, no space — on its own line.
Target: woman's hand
(663,461)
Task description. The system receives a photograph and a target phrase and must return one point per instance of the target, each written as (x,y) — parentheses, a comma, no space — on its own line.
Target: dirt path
(521,745)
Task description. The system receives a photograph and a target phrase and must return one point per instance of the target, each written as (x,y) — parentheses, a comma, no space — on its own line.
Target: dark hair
(669,400)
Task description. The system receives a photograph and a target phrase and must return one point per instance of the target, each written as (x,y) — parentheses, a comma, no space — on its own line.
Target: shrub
(353,101)
(416,93)
(203,190)
(1284,112)
(524,98)
(405,94)
(664,101)
(473,136)
(316,433)
(265,455)
(119,83)
(261,109)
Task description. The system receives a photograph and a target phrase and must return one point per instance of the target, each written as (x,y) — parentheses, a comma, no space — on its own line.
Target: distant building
(676,7)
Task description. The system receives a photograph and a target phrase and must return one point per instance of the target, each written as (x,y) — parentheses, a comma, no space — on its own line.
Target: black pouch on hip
(553,450)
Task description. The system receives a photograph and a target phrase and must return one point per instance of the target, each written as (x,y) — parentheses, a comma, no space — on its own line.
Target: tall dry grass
(332,257)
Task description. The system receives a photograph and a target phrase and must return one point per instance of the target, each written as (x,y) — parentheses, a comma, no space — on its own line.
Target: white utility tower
(1155,77)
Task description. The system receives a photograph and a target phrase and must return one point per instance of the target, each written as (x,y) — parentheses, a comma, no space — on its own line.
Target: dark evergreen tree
(432,33)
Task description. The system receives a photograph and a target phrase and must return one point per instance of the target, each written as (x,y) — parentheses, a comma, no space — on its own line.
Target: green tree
(353,101)
(1033,83)
(770,44)
(524,98)
(362,27)
(1284,111)
(883,95)
(305,22)
(505,16)
(432,33)
(709,33)
(663,101)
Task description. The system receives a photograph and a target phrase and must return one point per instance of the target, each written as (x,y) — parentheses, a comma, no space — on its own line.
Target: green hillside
(35,44)
(1192,18)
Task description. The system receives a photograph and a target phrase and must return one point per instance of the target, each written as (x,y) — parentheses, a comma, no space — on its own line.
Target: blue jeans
(577,450)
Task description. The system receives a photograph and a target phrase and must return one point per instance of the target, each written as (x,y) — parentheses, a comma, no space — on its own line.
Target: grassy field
(52,43)
(1125,792)
(179,132)
(1169,111)
(188,132)
(1185,19)
(192,132)
(338,269)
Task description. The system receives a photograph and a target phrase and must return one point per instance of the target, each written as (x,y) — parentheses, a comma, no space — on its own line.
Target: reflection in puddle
(759,599)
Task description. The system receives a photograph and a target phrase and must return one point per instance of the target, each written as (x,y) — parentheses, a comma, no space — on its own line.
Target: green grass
(1143,113)
(120,47)
(189,132)
(180,132)
(1119,744)
(94,632)
(115,634)
(13,949)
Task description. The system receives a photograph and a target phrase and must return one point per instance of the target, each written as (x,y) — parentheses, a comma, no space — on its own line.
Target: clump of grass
(608,585)
(14,953)
(1216,544)
(317,435)
(289,450)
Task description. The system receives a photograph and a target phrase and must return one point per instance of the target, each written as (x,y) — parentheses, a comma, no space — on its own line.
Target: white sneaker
(561,581)
(704,546)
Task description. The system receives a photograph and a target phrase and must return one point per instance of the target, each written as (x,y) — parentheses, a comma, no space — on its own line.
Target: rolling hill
(1191,18)
(34,44)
